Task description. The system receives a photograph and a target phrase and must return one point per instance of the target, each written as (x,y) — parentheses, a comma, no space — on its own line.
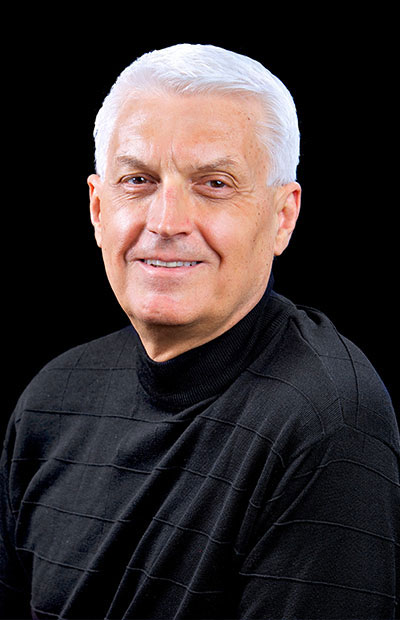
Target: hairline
(166,70)
(157,88)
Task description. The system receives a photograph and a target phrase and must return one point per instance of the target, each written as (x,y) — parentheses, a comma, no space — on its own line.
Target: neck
(204,371)
(164,342)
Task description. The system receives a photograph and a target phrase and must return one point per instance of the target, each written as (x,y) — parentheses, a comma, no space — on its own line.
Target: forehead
(188,126)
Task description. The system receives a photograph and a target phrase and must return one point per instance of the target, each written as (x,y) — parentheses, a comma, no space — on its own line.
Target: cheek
(219,230)
(241,237)
(265,228)
(120,230)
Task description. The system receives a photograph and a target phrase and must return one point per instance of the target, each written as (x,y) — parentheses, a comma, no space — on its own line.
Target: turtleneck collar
(205,371)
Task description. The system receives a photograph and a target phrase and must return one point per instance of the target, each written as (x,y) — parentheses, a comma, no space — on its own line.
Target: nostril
(168,226)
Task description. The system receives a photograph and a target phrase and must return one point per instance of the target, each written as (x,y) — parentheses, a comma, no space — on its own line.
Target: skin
(184,184)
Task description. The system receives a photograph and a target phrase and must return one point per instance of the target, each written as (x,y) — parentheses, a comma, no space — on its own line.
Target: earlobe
(288,209)
(94,183)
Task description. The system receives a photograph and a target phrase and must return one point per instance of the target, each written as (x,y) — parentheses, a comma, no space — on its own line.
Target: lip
(168,258)
(181,267)
(169,262)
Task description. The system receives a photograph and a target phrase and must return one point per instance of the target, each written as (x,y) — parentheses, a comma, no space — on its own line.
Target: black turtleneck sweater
(254,477)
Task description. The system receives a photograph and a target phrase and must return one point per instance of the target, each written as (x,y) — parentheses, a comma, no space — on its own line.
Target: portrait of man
(228,453)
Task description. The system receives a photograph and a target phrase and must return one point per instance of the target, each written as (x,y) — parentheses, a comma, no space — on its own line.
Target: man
(228,454)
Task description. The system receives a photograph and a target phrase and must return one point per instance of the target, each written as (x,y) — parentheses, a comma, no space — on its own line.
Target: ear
(95,185)
(288,198)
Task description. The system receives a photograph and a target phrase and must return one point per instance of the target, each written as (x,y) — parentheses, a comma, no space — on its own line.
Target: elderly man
(228,454)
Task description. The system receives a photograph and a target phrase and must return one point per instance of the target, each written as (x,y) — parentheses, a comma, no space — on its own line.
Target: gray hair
(187,68)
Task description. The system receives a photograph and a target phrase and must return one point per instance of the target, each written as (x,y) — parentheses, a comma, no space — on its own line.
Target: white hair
(197,68)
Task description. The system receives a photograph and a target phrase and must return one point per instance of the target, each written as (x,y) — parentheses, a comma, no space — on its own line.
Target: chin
(163,313)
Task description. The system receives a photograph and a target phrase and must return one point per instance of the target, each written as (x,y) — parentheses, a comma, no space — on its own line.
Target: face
(187,225)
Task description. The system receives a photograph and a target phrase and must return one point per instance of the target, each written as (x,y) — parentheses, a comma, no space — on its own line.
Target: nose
(169,213)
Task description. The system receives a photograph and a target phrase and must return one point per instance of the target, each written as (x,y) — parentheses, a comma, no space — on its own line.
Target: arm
(328,546)
(14,596)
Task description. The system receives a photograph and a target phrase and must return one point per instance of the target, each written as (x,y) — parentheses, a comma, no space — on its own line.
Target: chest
(129,506)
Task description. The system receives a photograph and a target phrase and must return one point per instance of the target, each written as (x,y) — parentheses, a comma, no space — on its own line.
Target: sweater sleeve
(326,544)
(14,595)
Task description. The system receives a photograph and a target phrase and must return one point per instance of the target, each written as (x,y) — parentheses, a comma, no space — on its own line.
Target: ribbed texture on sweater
(270,490)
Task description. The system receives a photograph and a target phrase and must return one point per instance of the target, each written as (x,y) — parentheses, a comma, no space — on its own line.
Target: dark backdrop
(58,67)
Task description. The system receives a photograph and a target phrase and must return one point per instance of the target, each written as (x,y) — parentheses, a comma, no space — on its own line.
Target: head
(200,69)
(195,192)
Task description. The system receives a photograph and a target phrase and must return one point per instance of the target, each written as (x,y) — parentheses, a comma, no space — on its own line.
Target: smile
(160,263)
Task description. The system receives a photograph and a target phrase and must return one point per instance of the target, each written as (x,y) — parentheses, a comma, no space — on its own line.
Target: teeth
(161,263)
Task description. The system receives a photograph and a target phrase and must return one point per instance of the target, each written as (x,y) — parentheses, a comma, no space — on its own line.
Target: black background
(58,66)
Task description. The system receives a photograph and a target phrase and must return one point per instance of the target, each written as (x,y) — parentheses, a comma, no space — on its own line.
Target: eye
(137,184)
(215,183)
(216,187)
(137,180)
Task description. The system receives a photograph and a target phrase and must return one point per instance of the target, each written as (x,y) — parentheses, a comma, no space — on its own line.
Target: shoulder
(324,379)
(100,352)
(83,364)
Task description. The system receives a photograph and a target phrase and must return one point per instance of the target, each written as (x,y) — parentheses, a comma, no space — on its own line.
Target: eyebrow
(129,161)
(222,162)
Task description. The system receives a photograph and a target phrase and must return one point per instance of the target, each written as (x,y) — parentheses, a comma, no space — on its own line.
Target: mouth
(155,262)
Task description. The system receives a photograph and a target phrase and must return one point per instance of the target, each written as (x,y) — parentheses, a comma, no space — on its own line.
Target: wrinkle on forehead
(201,129)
